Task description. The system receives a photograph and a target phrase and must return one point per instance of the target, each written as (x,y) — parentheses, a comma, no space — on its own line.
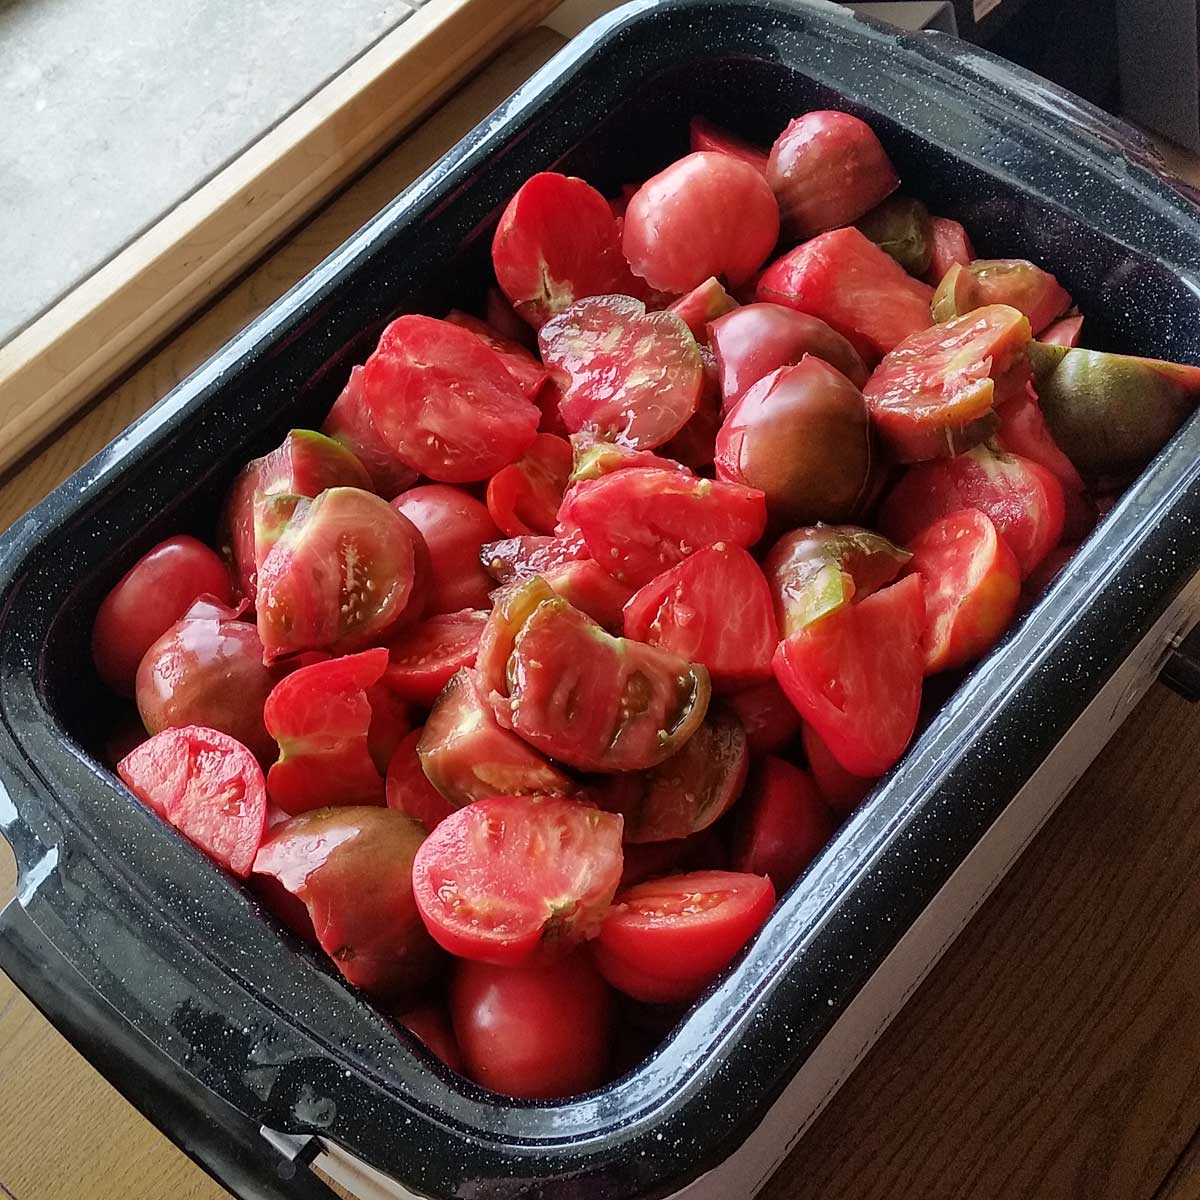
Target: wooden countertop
(1053,1054)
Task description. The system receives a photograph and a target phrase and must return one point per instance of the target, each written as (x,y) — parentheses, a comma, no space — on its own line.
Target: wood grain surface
(1054,1054)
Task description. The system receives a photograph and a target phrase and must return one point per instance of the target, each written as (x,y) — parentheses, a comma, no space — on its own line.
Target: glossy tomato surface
(524,496)
(349,422)
(423,659)
(528,374)
(408,788)
(512,880)
(841,790)
(704,135)
(1023,431)
(949,245)
(704,303)
(1012,281)
(430,1025)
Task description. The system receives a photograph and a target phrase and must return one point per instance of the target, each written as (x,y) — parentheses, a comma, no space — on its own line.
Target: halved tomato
(1024,501)
(627,375)
(705,135)
(667,939)
(524,496)
(846,280)
(688,611)
(349,422)
(517,880)
(391,723)
(444,401)
(972,587)
(933,395)
(950,245)
(353,869)
(528,374)
(855,675)
(320,716)
(205,784)
(422,660)
(705,302)
(1012,281)
(408,789)
(766,715)
(638,524)
(782,823)
(842,790)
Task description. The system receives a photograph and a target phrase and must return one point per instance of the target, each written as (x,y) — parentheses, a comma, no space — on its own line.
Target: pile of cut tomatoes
(525,686)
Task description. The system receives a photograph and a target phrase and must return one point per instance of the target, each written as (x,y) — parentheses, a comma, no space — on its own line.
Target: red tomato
(584,584)
(693,446)
(528,374)
(1064,332)
(950,245)
(1012,281)
(626,374)
(842,791)
(467,756)
(855,676)
(524,496)
(687,793)
(422,660)
(352,868)
(349,422)
(666,940)
(854,286)
(502,317)
(390,724)
(205,784)
(556,243)
(513,880)
(972,587)
(828,169)
(596,458)
(1024,501)
(933,395)
(520,557)
(454,526)
(704,851)
(445,402)
(147,600)
(707,136)
(704,303)
(1023,431)
(638,524)
(755,339)
(538,1032)
(408,789)
(430,1025)
(320,716)
(782,824)
(687,610)
(766,715)
(342,574)
(706,214)
(513,605)
(290,911)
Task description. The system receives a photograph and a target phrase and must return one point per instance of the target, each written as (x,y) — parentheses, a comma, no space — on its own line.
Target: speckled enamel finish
(188,960)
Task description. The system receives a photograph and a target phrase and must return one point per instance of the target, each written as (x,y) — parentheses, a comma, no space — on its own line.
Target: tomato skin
(147,600)
(1066,331)
(1012,281)
(518,558)
(766,715)
(511,1028)
(827,169)
(840,789)
(693,446)
(638,524)
(704,303)
(855,675)
(528,374)
(1024,501)
(706,214)
(667,939)
(1023,431)
(352,868)
(430,1025)
(901,227)
(950,244)
(782,824)
(687,610)
(843,278)
(705,135)
(515,880)
(803,438)
(703,851)
(454,526)
(349,423)
(423,659)
(208,786)
(444,401)
(524,496)
(408,789)
(972,588)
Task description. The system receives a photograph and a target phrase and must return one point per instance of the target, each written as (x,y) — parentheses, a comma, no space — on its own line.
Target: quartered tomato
(705,302)
(340,575)
(901,227)
(846,280)
(1024,501)
(467,755)
(205,784)
(408,789)
(445,402)
(855,676)
(422,660)
(528,374)
(972,587)
(828,169)
(627,374)
(537,1032)
(521,557)
(638,524)
(391,723)
(320,716)
(1023,431)
(782,823)
(706,214)
(707,136)
(584,584)
(666,940)
(933,395)
(1012,281)
(513,880)
(524,496)
(349,422)
(430,1025)
(594,458)
(454,526)
(353,869)
(766,715)
(840,789)
(688,611)
(147,600)
(950,245)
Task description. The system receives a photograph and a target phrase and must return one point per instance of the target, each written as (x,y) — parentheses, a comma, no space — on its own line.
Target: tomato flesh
(766,715)
(528,374)
(949,245)
(704,303)
(409,790)
(524,496)
(842,790)
(1023,431)
(423,659)
(350,423)
(430,1025)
